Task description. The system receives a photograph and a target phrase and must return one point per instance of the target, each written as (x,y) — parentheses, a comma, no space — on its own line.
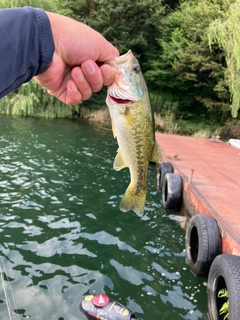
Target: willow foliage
(186,70)
(31,100)
(226,33)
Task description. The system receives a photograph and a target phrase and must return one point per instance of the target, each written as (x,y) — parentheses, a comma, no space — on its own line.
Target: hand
(74,72)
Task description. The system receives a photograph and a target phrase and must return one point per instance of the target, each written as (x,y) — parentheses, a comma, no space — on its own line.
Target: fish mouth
(120,101)
(126,88)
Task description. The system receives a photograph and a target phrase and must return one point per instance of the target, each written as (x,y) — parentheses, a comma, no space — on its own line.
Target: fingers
(87,79)
(73,75)
(81,82)
(107,74)
(97,76)
(72,95)
(93,75)
(90,78)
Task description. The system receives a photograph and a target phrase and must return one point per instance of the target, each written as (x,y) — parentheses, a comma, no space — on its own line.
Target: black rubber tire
(224,274)
(203,244)
(172,192)
(163,169)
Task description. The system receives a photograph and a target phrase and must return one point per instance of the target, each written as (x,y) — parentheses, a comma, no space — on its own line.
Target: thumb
(106,50)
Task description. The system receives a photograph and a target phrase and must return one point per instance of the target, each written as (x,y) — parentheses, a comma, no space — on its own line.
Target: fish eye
(136,68)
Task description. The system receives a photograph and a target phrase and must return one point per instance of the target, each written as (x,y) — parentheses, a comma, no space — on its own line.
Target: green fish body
(133,127)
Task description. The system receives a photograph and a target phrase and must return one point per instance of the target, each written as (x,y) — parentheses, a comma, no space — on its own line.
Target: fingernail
(89,68)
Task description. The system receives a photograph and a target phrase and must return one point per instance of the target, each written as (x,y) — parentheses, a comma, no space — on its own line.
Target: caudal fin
(133,202)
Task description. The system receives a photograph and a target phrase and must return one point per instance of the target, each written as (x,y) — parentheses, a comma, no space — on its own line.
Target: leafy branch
(223,293)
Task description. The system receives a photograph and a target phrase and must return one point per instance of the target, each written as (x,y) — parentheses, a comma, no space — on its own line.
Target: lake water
(62,235)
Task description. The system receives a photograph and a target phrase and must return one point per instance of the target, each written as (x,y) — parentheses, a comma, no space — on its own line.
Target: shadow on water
(62,235)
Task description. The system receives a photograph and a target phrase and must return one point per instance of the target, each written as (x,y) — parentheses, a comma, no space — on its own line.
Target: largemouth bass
(133,127)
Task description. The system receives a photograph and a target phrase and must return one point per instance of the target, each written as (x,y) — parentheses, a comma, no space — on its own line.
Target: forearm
(26,46)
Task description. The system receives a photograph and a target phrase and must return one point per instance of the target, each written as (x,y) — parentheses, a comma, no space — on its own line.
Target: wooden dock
(210,170)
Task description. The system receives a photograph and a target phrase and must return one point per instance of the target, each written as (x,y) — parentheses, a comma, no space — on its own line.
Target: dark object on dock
(203,244)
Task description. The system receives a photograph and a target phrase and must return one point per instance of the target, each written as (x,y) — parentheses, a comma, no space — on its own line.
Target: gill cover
(129,79)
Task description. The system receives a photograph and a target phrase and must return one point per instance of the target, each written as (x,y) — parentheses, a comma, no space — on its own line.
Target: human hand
(74,72)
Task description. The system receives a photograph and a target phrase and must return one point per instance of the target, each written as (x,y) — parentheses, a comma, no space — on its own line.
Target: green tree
(171,3)
(127,24)
(44,4)
(186,70)
(76,9)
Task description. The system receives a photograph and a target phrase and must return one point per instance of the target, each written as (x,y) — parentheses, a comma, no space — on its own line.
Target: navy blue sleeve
(26,46)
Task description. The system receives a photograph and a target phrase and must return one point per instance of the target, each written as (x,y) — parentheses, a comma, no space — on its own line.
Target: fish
(134,128)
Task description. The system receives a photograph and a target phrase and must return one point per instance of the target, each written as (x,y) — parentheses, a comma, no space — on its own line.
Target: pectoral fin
(119,162)
(156,154)
(128,116)
(113,129)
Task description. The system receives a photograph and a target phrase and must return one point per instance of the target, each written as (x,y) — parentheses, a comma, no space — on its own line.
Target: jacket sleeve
(26,46)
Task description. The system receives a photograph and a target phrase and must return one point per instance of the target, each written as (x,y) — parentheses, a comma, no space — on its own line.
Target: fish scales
(133,127)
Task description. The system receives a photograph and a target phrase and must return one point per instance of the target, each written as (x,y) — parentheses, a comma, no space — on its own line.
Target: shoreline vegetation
(167,122)
(189,52)
(169,125)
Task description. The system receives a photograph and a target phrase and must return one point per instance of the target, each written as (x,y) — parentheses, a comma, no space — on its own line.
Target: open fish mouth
(122,93)
(120,101)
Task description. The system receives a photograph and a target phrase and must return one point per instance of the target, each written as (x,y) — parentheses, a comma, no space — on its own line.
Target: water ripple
(63,236)
(130,274)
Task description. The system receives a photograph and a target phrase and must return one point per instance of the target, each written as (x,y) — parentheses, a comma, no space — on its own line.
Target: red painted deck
(215,186)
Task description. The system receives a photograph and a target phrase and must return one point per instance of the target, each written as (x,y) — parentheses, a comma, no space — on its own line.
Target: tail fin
(135,202)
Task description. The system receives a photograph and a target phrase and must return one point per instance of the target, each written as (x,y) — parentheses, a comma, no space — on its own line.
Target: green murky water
(62,235)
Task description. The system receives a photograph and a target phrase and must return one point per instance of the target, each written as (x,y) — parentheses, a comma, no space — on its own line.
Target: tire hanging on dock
(172,191)
(163,169)
(224,275)
(203,244)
